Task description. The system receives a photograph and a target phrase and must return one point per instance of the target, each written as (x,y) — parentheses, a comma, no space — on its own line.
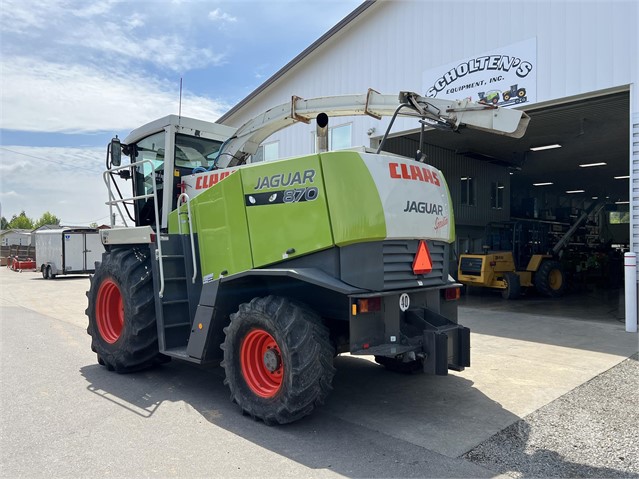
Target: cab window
(150,148)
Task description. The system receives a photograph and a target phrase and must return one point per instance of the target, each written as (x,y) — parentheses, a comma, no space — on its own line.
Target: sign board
(506,76)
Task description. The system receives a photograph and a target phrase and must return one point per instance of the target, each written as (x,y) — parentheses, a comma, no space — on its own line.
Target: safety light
(452,294)
(422,263)
(369,305)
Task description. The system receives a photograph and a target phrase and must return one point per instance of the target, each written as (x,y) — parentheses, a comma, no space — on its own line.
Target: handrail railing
(113,201)
(188,215)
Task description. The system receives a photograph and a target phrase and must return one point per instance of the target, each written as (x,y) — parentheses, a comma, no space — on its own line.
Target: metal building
(571,66)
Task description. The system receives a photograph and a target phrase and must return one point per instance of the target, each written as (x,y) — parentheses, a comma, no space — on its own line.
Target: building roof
(286,68)
(15,230)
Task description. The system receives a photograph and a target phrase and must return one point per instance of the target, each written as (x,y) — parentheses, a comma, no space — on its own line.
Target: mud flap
(448,349)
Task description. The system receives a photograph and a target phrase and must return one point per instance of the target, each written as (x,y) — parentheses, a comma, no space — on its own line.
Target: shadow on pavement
(375,423)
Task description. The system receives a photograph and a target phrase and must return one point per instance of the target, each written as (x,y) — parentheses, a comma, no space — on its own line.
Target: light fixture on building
(543,184)
(622,177)
(622,202)
(545,147)
(570,192)
(595,197)
(588,165)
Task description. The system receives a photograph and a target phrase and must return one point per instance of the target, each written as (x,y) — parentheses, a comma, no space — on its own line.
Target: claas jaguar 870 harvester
(273,268)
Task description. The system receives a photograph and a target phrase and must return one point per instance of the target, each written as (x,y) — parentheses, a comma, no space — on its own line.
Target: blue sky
(74,73)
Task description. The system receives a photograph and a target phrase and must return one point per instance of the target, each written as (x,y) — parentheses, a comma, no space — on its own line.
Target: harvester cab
(272,268)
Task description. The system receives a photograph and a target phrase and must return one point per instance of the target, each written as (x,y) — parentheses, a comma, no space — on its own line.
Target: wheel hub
(272,360)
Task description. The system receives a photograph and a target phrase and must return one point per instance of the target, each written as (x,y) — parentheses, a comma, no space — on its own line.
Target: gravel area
(593,431)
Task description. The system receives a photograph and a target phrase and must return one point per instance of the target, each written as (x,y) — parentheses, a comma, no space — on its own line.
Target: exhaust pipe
(321,133)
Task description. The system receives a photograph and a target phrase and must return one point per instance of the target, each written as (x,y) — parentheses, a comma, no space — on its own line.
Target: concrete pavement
(64,415)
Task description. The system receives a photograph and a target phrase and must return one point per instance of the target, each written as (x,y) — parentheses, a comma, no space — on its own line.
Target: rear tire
(513,286)
(43,270)
(550,279)
(122,311)
(278,360)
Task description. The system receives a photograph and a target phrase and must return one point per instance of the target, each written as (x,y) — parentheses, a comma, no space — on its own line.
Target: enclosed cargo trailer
(67,251)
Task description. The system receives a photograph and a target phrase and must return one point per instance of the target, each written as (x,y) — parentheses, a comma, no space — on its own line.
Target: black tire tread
(513,286)
(304,341)
(137,348)
(542,282)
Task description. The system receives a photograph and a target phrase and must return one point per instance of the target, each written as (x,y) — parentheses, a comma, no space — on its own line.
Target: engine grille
(398,259)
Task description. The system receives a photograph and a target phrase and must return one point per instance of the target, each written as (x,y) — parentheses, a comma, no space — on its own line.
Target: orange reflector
(354,309)
(200,326)
(422,263)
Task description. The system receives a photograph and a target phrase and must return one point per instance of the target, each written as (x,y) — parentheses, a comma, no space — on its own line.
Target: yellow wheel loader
(498,269)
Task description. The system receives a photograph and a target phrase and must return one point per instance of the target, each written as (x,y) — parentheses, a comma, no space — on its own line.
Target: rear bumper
(426,331)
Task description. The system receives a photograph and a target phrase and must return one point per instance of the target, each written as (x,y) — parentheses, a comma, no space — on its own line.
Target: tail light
(451,294)
(369,305)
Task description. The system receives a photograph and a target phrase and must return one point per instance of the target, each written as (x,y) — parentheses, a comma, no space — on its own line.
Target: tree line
(22,221)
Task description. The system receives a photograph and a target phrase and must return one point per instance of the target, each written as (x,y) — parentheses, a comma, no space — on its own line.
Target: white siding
(634,186)
(581,47)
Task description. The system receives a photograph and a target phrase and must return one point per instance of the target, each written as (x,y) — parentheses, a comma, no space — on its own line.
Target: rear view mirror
(116,152)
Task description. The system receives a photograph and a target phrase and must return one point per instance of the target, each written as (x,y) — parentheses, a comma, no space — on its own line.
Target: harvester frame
(216,268)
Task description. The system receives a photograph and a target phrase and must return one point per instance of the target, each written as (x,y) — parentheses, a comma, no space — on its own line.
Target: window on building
(267,152)
(467,191)
(497,195)
(339,137)
(619,217)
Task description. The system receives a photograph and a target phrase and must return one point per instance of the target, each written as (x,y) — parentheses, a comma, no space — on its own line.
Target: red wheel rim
(109,311)
(261,361)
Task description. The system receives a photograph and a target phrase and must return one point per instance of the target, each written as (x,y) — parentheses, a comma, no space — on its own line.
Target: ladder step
(174,278)
(177,325)
(172,256)
(175,301)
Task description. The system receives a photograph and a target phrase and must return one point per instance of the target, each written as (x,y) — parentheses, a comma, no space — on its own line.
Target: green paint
(219,219)
(276,227)
(356,210)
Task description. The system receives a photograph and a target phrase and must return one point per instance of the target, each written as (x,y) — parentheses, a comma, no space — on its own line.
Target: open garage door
(574,158)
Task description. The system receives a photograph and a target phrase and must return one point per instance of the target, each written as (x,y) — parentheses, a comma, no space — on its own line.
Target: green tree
(21,221)
(47,219)
(93,225)
(4,224)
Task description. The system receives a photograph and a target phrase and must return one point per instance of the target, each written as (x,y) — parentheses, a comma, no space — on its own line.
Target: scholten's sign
(504,77)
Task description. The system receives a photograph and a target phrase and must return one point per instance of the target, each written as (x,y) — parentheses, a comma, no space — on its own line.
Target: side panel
(356,210)
(285,208)
(49,249)
(219,218)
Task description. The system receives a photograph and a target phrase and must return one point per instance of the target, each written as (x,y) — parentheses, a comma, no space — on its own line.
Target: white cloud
(65,181)
(220,16)
(52,97)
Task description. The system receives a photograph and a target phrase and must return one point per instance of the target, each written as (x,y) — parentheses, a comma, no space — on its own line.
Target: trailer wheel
(550,279)
(397,365)
(43,270)
(278,360)
(513,286)
(122,313)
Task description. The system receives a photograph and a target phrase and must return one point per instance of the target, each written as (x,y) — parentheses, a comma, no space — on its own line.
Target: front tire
(122,311)
(278,360)
(513,286)
(550,279)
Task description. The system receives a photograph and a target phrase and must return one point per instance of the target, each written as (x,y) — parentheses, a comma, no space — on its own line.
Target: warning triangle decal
(422,263)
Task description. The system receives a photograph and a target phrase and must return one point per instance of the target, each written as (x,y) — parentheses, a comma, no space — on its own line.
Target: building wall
(581,47)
